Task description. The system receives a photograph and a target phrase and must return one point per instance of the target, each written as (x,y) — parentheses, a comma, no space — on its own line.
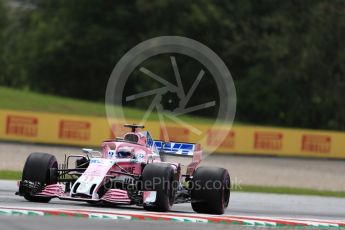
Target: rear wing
(177,148)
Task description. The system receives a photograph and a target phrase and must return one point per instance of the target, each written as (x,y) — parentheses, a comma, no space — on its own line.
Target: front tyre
(159,177)
(40,167)
(210,190)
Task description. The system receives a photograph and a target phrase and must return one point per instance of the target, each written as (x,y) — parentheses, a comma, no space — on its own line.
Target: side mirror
(87,151)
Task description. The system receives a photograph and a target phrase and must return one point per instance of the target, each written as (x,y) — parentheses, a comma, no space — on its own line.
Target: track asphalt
(246,209)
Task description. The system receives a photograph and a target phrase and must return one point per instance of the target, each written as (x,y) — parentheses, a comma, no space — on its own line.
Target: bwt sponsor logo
(22,126)
(228,142)
(268,140)
(316,143)
(75,130)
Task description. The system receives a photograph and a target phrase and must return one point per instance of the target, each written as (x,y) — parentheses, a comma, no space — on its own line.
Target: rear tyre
(210,190)
(40,167)
(160,178)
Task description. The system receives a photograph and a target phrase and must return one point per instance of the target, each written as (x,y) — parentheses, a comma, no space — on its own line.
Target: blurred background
(286,58)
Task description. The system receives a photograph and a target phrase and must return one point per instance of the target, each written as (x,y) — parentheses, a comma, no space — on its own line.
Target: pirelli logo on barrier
(268,140)
(168,133)
(228,142)
(316,143)
(75,130)
(78,130)
(21,126)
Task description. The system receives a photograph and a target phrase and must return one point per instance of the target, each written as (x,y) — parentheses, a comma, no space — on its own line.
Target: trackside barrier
(91,131)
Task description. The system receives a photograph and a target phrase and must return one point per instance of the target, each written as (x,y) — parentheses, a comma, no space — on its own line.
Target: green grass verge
(29,101)
(16,175)
(10,175)
(288,190)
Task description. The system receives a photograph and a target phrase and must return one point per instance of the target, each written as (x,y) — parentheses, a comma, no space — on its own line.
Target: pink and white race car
(133,170)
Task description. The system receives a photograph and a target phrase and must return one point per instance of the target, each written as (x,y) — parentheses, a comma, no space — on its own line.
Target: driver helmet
(125,152)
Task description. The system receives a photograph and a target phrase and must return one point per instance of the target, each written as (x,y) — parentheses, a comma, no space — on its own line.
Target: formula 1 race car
(133,170)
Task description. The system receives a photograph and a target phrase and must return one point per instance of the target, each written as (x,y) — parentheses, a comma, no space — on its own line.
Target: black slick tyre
(40,167)
(210,190)
(159,177)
